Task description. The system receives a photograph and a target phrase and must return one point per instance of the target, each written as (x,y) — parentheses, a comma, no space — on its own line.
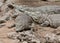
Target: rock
(58,38)
(16,41)
(28,37)
(1,0)
(24,36)
(29,33)
(50,37)
(4,8)
(11,24)
(35,41)
(1,25)
(12,35)
(23,22)
(15,14)
(24,42)
(45,24)
(2,21)
(1,4)
(4,18)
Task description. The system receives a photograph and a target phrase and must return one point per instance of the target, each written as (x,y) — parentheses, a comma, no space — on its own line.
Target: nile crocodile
(48,15)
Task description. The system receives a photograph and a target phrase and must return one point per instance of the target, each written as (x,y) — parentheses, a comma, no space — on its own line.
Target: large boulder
(23,22)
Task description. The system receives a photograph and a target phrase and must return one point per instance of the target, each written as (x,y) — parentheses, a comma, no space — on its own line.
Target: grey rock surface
(24,37)
(52,38)
(23,22)
(12,35)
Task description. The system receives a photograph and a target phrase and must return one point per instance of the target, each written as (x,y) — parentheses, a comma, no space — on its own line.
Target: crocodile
(48,15)
(49,9)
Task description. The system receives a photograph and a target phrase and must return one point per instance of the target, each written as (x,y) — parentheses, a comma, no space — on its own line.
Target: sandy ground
(5,30)
(40,3)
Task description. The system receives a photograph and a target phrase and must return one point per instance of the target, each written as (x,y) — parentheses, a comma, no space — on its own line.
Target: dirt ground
(5,29)
(42,3)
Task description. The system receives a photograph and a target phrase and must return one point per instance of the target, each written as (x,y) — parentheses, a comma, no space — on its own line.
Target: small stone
(50,37)
(1,0)
(2,21)
(4,18)
(24,42)
(35,41)
(14,15)
(1,4)
(1,25)
(12,35)
(11,26)
(45,24)
(15,41)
